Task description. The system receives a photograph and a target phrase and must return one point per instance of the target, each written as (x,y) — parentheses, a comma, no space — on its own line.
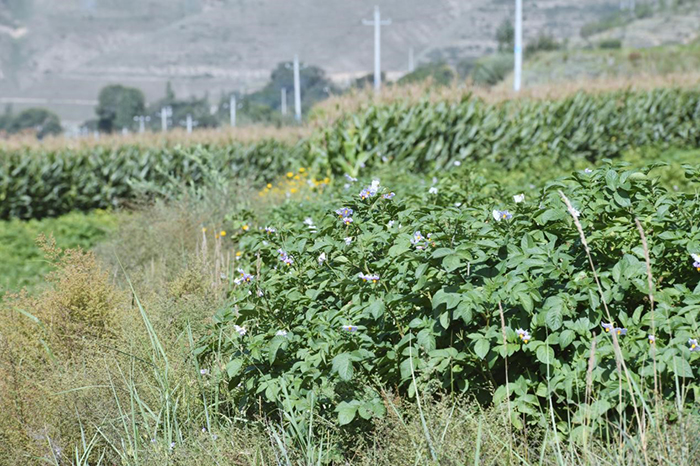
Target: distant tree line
(36,121)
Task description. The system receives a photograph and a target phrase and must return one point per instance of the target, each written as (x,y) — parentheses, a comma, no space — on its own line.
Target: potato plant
(399,285)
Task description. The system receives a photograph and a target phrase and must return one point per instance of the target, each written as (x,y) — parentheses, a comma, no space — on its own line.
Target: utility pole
(517,81)
(142,122)
(377,23)
(232,109)
(165,113)
(411,67)
(283,106)
(297,90)
(189,124)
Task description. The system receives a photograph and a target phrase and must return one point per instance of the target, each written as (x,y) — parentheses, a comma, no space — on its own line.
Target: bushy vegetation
(406,289)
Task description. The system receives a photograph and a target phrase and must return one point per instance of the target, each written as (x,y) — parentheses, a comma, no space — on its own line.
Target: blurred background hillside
(59,55)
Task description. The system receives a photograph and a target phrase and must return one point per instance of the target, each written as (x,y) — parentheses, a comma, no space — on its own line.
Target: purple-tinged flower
(457,163)
(370,191)
(607,327)
(172,445)
(418,240)
(652,339)
(693,343)
(620,331)
(433,190)
(588,171)
(270,230)
(347,220)
(524,335)
(374,278)
(349,328)
(519,198)
(389,195)
(203,371)
(204,430)
(350,178)
(322,258)
(284,257)
(153,440)
(499,215)
(696,258)
(281,333)
(246,277)
(240,330)
(348,240)
(344,212)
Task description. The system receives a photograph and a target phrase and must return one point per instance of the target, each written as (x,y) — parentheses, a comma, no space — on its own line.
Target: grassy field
(420,310)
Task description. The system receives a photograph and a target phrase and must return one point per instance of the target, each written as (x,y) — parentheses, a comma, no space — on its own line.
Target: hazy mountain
(59,53)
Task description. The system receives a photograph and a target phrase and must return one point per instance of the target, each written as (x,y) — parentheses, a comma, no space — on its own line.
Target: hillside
(59,54)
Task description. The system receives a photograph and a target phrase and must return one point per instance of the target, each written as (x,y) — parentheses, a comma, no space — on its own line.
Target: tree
(117,106)
(40,120)
(264,105)
(505,36)
(198,108)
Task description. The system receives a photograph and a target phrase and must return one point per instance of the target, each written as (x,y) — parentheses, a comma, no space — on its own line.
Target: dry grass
(219,137)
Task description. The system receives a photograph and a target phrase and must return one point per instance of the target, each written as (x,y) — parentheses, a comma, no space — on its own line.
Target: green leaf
(545,354)
(554,318)
(445,319)
(682,368)
(451,262)
(342,365)
(275,345)
(481,348)
(376,308)
(442,252)
(565,338)
(233,367)
(346,412)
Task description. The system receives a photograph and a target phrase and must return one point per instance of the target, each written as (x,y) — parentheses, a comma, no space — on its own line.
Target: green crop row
(38,184)
(584,126)
(419,136)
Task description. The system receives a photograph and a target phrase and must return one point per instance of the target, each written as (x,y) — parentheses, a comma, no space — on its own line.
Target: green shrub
(543,43)
(439,73)
(610,44)
(491,70)
(325,328)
